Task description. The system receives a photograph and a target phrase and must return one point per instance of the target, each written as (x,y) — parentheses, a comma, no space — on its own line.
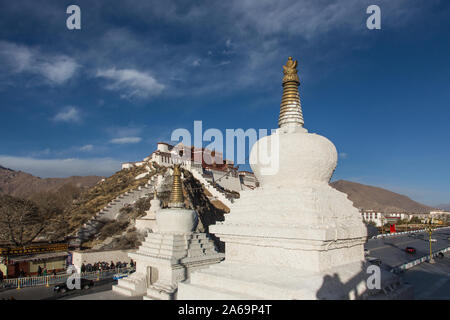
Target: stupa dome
(176,220)
(293,159)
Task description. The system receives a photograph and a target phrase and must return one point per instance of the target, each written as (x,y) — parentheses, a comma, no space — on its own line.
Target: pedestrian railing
(413,263)
(24,282)
(387,235)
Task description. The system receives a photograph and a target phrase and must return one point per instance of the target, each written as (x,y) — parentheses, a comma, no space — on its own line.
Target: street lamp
(430,232)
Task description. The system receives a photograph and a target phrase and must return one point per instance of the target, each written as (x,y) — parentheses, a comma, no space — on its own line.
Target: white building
(209,163)
(373,216)
(380,218)
(439,213)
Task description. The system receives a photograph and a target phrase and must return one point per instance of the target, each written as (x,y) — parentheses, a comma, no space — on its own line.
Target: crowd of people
(42,272)
(102,266)
(98,266)
(22,274)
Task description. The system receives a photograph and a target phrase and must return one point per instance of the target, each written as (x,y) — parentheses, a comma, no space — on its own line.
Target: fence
(59,278)
(387,235)
(413,263)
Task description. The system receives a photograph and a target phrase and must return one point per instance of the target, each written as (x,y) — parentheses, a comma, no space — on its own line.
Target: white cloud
(68,114)
(61,167)
(59,69)
(54,68)
(311,18)
(126,140)
(132,82)
(88,147)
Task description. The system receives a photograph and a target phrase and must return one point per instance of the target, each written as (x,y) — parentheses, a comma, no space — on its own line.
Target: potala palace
(210,164)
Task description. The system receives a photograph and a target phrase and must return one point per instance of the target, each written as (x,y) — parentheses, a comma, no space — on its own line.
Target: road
(44,293)
(430,281)
(391,250)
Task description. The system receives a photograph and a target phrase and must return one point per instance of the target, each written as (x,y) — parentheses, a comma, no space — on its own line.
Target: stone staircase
(217,193)
(133,285)
(162,182)
(111,212)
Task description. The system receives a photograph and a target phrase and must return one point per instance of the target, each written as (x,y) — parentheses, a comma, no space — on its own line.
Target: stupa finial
(290,108)
(176,196)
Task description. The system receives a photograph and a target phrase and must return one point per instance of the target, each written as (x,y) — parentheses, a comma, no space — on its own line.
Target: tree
(415,220)
(21,221)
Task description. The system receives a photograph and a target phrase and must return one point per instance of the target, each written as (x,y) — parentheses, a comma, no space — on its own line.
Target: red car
(410,250)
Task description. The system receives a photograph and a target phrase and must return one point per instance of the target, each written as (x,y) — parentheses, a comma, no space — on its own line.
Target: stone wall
(227,181)
(93,256)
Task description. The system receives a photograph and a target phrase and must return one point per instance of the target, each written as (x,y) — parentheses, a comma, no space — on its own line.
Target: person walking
(45,271)
(83,268)
(39,271)
(1,276)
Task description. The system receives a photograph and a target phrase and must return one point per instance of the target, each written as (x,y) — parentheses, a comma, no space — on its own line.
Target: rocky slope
(120,233)
(23,185)
(374,198)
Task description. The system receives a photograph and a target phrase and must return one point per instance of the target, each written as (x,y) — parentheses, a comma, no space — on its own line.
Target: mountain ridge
(375,198)
(22,184)
(444,206)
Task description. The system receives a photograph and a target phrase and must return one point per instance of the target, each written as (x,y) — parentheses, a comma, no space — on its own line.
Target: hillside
(23,185)
(444,206)
(121,233)
(374,198)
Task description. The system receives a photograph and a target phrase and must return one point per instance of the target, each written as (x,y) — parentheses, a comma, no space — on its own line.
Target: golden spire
(176,196)
(290,108)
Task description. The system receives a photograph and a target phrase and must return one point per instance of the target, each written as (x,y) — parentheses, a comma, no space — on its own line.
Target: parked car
(410,250)
(121,275)
(84,284)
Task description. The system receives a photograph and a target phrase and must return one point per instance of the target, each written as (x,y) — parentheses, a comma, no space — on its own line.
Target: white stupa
(295,237)
(170,253)
(148,222)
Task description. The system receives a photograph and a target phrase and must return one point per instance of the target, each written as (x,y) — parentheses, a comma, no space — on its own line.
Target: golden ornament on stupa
(290,108)
(176,195)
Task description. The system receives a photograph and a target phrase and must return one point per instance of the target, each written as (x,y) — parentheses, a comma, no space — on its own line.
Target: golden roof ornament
(176,195)
(290,108)
(290,71)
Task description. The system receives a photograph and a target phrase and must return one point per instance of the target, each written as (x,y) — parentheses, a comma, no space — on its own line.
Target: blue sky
(77,102)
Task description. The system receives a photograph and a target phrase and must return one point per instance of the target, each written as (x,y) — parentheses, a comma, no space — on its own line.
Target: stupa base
(233,281)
